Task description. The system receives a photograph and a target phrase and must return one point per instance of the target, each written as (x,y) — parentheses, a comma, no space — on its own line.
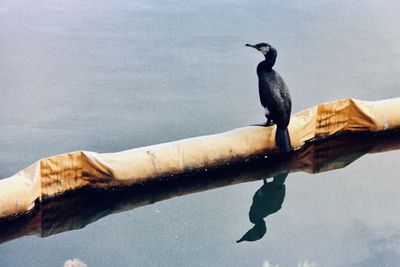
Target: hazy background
(107,76)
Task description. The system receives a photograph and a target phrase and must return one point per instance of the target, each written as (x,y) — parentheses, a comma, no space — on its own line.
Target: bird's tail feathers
(282,140)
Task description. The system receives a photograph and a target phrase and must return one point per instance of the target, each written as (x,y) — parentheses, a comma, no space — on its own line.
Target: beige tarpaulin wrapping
(57,174)
(75,211)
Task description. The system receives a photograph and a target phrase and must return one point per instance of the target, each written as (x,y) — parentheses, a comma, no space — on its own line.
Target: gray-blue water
(111,75)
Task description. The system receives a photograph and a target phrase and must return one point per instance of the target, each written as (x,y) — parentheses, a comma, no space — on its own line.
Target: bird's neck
(264,66)
(268,63)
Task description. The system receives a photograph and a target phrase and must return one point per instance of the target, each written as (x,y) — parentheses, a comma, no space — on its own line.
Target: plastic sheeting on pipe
(57,174)
(74,211)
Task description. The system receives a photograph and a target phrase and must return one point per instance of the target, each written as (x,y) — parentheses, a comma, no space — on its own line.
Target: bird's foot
(268,123)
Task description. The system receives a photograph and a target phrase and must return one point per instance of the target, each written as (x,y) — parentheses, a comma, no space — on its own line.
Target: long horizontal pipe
(71,171)
(60,214)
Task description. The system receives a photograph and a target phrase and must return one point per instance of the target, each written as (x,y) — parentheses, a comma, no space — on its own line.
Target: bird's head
(255,233)
(264,48)
(268,51)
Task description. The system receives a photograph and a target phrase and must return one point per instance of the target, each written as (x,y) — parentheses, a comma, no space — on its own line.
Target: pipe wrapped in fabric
(55,175)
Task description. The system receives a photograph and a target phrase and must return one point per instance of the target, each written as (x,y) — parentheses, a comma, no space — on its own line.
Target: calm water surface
(107,77)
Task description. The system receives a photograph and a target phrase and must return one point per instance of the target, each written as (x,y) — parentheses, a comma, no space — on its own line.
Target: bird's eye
(264,49)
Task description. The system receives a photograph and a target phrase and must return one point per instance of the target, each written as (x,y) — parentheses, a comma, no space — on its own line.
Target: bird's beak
(252,46)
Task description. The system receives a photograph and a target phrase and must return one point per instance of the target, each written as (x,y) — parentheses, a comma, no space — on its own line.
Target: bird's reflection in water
(266,201)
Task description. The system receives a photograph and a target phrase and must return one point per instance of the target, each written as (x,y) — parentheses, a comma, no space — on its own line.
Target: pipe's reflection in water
(77,209)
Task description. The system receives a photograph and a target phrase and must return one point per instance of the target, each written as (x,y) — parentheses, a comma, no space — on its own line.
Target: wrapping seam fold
(365,112)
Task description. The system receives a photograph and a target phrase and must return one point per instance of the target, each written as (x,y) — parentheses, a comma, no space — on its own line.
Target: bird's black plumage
(274,95)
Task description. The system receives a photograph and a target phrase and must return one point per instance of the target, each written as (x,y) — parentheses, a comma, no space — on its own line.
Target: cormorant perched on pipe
(274,96)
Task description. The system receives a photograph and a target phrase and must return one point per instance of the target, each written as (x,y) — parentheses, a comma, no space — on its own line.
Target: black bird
(274,96)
